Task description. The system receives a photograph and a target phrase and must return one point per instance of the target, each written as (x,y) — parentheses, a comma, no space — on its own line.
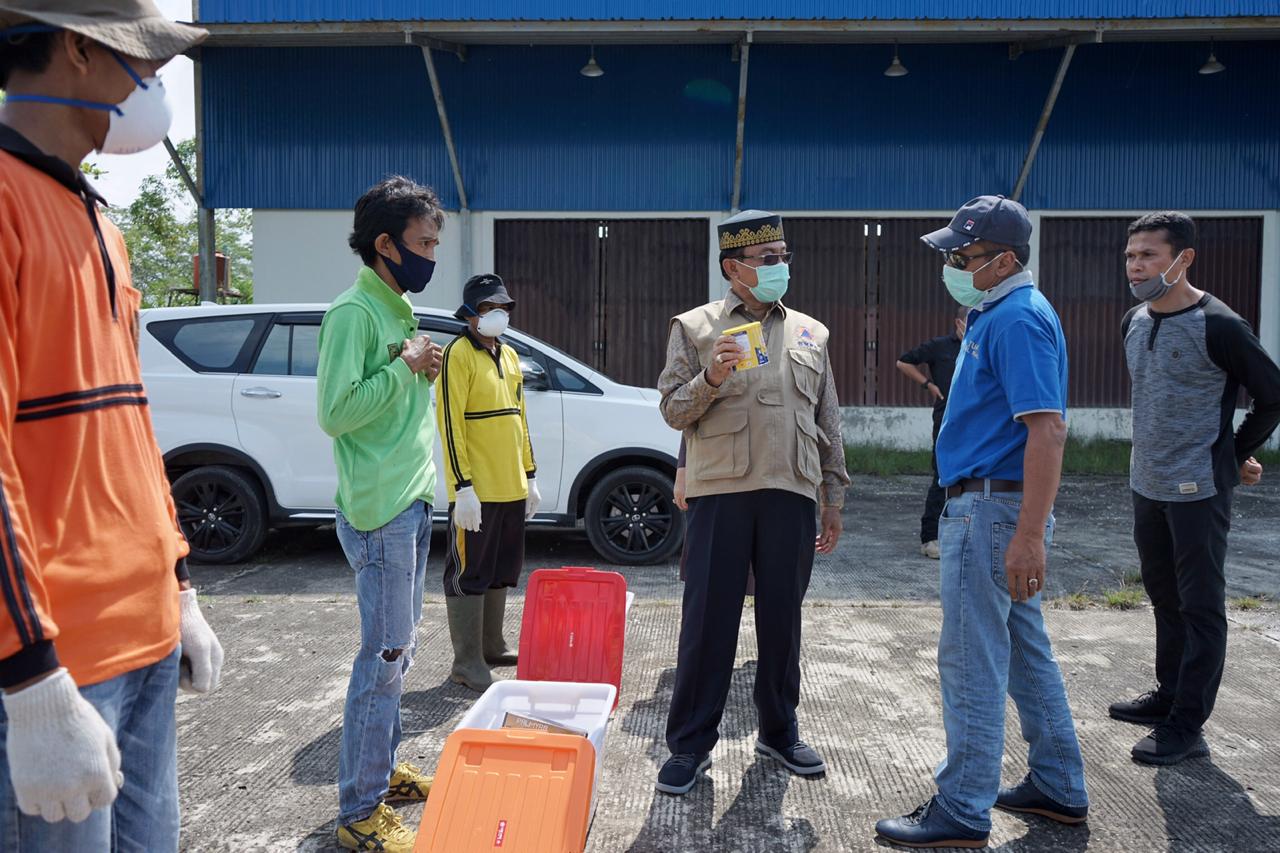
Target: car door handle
(260,393)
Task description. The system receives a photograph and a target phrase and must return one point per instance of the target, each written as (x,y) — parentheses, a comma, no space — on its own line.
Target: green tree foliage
(160,230)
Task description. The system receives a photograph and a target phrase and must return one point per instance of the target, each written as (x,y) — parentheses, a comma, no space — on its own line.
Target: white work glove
(531,503)
(466,509)
(201,663)
(63,758)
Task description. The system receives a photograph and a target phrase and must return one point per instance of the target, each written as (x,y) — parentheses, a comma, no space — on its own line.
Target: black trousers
(773,532)
(936,499)
(1183,549)
(490,559)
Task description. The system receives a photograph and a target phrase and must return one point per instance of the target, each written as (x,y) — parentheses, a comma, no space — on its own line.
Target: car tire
(221,512)
(632,519)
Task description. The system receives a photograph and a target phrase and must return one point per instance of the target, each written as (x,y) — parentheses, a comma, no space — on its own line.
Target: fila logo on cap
(968,224)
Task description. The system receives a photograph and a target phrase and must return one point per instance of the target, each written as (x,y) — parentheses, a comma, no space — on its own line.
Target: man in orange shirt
(98,620)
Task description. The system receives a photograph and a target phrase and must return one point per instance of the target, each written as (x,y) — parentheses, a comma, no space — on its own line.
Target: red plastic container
(509,790)
(574,627)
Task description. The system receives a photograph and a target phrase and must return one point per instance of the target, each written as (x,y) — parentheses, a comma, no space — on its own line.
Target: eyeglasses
(769,259)
(959,260)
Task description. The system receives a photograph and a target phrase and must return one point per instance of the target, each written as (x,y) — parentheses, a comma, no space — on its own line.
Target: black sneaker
(798,758)
(1149,709)
(1025,797)
(1168,744)
(680,773)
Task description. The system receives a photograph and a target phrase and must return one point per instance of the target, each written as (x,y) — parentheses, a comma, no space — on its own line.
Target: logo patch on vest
(804,338)
(1188,488)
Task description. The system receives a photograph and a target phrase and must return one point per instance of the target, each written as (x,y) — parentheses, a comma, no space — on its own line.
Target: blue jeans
(390,565)
(991,644)
(138,706)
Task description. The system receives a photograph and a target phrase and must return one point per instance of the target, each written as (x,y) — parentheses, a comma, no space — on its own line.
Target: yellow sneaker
(408,784)
(381,831)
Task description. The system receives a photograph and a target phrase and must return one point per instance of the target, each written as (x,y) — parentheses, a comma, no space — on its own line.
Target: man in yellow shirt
(489,467)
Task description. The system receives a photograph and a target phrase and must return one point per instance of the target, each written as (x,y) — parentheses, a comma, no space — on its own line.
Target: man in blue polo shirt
(1000,459)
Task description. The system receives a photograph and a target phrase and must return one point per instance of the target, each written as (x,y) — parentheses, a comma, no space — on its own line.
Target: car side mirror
(535,375)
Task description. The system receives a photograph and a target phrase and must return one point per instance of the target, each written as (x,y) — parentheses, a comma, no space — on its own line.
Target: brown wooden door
(604,291)
(1082,273)
(876,287)
(911,304)
(552,269)
(829,282)
(653,270)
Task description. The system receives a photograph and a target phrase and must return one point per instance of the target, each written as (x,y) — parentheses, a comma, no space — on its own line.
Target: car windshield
(557,352)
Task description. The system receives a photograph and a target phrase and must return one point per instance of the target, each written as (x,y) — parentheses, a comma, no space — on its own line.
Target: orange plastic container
(509,790)
(574,627)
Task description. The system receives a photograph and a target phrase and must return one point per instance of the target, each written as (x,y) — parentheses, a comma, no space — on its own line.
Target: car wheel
(632,519)
(221,513)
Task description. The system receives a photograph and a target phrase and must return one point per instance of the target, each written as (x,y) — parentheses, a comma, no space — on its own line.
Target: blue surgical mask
(771,282)
(1155,288)
(413,272)
(960,284)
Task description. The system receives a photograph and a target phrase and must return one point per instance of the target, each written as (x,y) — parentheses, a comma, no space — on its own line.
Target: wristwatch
(925,384)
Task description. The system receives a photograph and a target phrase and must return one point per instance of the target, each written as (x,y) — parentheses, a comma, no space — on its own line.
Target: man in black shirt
(1189,355)
(939,355)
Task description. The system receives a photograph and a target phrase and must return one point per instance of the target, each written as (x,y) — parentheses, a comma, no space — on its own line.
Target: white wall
(906,428)
(302,256)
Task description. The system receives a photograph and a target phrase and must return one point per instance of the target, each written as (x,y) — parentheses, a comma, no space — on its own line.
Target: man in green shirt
(374,390)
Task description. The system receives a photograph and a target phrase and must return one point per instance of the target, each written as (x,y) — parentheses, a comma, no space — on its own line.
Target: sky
(124,173)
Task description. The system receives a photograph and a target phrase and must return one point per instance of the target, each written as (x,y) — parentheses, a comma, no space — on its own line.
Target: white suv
(233,399)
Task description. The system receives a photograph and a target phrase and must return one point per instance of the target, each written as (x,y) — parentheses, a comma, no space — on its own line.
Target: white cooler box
(583,706)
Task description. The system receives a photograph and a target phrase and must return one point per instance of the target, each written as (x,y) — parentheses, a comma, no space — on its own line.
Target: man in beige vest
(763,446)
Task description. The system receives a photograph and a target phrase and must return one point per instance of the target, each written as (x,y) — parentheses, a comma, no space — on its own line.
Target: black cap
(993,218)
(486,287)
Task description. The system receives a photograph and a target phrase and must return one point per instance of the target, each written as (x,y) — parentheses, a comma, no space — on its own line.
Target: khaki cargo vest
(761,432)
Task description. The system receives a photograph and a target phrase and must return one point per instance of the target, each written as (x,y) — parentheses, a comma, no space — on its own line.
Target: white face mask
(137,123)
(140,120)
(494,324)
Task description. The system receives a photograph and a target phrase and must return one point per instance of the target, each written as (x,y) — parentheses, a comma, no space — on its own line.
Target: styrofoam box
(582,706)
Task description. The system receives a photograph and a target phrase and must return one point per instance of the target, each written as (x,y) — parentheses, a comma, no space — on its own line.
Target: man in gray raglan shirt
(1188,355)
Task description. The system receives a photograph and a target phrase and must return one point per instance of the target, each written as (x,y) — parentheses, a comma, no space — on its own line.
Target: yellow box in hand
(750,338)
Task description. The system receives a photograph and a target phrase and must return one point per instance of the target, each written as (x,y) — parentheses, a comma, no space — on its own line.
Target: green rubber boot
(496,650)
(466,619)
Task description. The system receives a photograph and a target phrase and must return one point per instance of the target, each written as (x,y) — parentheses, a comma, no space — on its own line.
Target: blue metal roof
(1135,127)
(247,11)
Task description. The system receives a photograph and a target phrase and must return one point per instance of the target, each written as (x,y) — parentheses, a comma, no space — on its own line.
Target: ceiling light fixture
(896,68)
(592,68)
(1212,65)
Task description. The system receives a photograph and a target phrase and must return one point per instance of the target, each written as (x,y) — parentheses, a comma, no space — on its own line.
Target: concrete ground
(258,759)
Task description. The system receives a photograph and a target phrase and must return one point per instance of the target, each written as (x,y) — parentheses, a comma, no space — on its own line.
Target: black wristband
(926,383)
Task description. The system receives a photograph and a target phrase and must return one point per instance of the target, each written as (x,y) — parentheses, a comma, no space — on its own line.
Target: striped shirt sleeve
(26,627)
(452,386)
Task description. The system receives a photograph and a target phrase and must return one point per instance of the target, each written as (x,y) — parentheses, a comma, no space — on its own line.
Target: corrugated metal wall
(877,289)
(604,291)
(1082,273)
(912,304)
(553,269)
(593,10)
(303,128)
(829,283)
(1119,138)
(309,128)
(654,269)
